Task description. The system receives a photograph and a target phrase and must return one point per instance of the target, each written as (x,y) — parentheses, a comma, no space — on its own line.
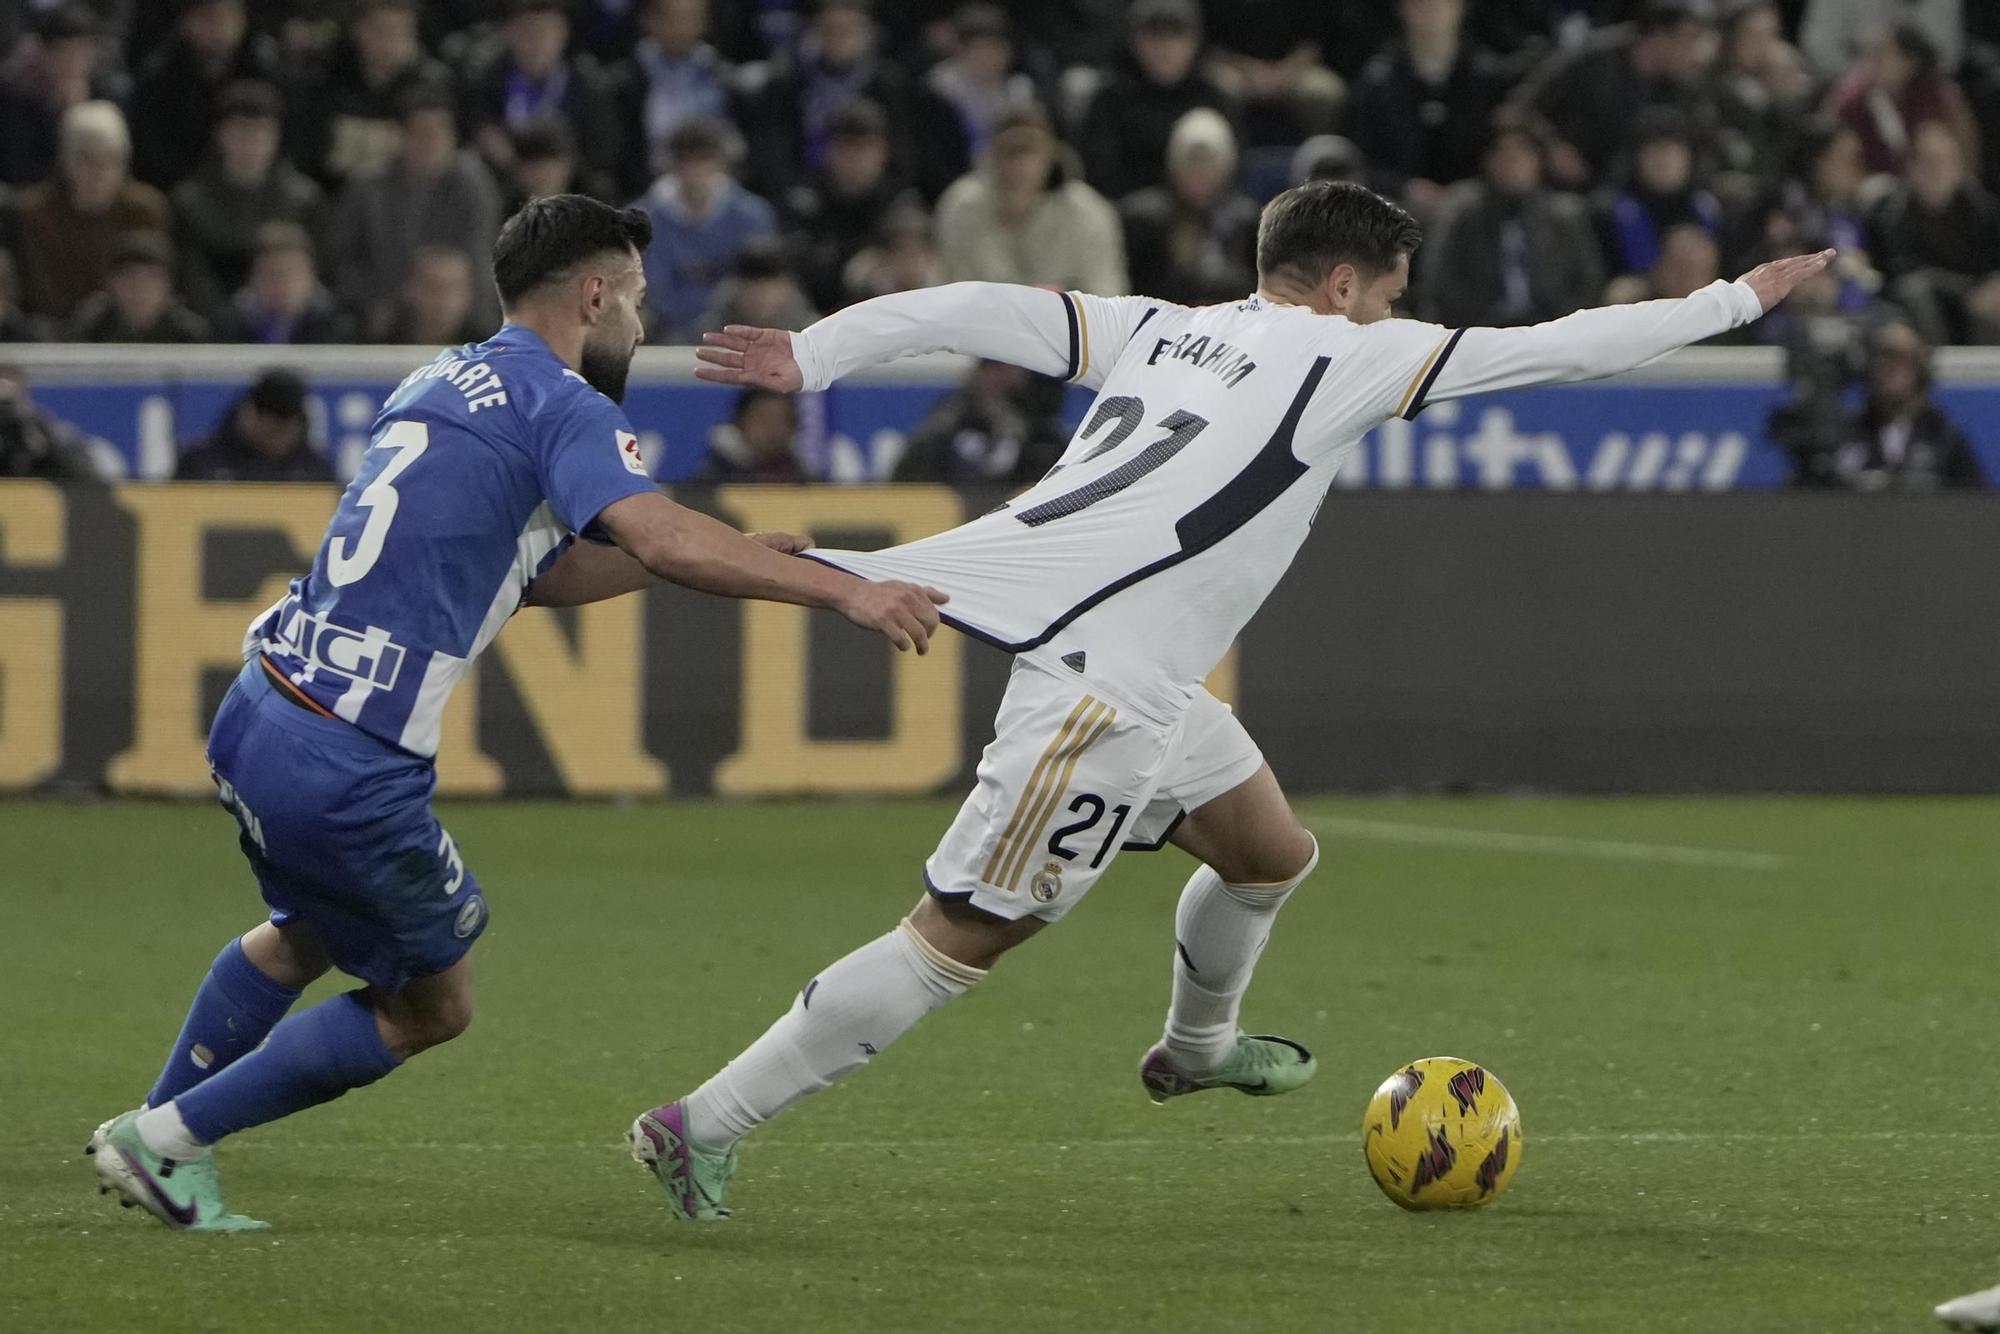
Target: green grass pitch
(1754,1045)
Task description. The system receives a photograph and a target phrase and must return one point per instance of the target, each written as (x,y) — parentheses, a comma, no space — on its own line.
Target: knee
(1286,856)
(410,1030)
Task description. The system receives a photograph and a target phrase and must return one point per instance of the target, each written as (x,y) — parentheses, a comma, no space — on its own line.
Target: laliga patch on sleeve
(628,450)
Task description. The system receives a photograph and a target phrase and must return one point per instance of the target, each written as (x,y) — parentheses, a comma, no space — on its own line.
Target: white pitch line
(1555,845)
(1180,1142)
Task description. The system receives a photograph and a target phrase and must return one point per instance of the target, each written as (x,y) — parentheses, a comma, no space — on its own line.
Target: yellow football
(1442,1133)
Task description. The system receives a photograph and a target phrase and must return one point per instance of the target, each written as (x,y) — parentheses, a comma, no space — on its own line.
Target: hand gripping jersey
(483,466)
(1197,472)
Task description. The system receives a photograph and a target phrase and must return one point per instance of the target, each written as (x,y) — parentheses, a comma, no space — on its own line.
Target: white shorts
(1070,780)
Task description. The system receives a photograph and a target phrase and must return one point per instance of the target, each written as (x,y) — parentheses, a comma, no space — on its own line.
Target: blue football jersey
(481,468)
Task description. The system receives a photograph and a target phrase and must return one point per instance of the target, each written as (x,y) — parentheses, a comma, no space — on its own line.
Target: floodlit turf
(1760,1092)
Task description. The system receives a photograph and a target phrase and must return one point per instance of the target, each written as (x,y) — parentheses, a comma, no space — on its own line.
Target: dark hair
(249,99)
(699,136)
(282,237)
(518,8)
(761,257)
(424,95)
(542,139)
(970,22)
(1657,14)
(752,396)
(549,237)
(1311,228)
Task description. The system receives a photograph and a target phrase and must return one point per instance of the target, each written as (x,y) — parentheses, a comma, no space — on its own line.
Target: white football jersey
(1196,474)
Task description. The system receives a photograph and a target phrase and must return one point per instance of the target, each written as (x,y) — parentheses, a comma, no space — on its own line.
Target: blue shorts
(338,827)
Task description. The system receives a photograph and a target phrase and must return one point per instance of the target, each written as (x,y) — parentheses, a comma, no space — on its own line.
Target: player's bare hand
(905,614)
(789,544)
(1774,282)
(751,357)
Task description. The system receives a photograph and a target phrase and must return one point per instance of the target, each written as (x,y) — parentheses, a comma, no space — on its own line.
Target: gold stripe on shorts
(1034,782)
(1095,725)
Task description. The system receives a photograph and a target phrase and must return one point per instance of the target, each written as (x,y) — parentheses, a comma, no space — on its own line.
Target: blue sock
(311,1058)
(232,1012)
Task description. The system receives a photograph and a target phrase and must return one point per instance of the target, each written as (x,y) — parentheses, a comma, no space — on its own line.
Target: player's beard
(606,368)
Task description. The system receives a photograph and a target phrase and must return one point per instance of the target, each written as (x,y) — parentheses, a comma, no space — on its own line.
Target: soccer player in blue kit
(485,469)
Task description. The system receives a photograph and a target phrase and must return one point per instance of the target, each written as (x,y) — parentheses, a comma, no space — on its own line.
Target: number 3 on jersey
(346,563)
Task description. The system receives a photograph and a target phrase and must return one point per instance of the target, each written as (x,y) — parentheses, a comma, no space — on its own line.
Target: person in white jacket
(1119,581)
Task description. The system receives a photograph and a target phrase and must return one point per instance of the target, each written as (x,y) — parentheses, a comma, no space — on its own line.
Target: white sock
(167,1135)
(847,1014)
(1219,930)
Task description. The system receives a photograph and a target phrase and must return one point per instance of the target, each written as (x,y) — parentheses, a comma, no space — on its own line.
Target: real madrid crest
(1047,882)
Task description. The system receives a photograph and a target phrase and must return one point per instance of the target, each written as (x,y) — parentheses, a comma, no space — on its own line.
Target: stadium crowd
(314,171)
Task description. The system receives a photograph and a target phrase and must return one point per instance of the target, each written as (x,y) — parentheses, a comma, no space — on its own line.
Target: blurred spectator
(833,217)
(433,193)
(1001,426)
(350,128)
(1270,54)
(1900,439)
(1021,217)
(762,292)
(1194,239)
(529,74)
(1592,96)
(1158,80)
(175,95)
(1762,90)
(702,219)
(1835,33)
(789,122)
(262,439)
(68,226)
(242,185)
(544,159)
(436,305)
(16,325)
(607,28)
(1825,355)
(1940,236)
(904,258)
(34,444)
(759,442)
(1330,157)
(1509,249)
(1659,193)
(976,83)
(1897,89)
(137,304)
(1819,202)
(1422,108)
(59,66)
(672,76)
(1689,260)
(284,300)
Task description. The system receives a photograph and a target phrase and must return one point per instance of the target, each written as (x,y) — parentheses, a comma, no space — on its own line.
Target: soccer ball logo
(1442,1133)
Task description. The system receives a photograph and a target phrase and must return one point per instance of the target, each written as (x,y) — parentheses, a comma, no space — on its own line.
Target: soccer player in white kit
(1118,582)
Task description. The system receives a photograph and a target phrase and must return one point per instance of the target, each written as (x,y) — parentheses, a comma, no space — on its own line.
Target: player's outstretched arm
(592,572)
(678,545)
(1032,327)
(1592,344)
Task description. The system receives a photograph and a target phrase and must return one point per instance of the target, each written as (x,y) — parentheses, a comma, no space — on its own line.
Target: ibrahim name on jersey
(1196,474)
(482,467)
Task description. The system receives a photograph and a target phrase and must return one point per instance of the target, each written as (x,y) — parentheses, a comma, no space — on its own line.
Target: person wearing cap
(264,437)
(1509,250)
(62,65)
(434,193)
(1591,96)
(180,85)
(1194,239)
(1021,216)
(137,304)
(531,74)
(702,219)
(67,227)
(1656,191)
(1421,106)
(837,214)
(1157,81)
(242,186)
(1900,439)
(673,75)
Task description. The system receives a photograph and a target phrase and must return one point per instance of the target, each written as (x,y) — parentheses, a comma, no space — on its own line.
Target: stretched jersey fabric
(483,466)
(1197,472)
